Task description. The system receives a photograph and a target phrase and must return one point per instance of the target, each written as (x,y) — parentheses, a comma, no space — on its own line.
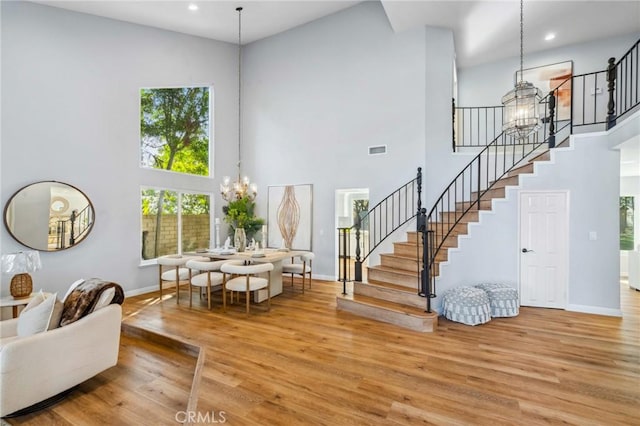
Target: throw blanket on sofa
(84,297)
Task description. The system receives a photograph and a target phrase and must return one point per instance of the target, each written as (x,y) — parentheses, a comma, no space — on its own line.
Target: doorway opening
(349,204)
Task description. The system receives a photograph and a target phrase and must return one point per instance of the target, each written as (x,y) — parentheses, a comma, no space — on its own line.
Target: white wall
(484,85)
(70,112)
(491,251)
(319,95)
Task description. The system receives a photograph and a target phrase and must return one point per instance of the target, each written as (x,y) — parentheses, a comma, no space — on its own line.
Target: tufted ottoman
(467,305)
(504,300)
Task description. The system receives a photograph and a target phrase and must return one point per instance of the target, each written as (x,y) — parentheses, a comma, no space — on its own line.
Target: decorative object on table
(227,243)
(290,216)
(239,239)
(552,77)
(263,238)
(242,187)
(283,246)
(49,216)
(21,264)
(520,112)
(217,222)
(240,214)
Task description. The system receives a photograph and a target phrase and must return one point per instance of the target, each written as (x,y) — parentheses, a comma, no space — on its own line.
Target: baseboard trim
(152,288)
(595,310)
(143,290)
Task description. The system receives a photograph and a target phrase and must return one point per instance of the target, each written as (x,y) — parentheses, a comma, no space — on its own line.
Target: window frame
(179,192)
(211,150)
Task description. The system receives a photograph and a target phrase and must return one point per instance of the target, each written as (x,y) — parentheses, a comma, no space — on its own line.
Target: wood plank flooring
(305,363)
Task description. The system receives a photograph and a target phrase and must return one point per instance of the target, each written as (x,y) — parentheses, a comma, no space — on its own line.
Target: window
(174,222)
(175,129)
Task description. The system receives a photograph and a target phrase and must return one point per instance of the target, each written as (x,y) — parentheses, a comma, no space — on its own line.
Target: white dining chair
(303,267)
(171,269)
(209,277)
(245,281)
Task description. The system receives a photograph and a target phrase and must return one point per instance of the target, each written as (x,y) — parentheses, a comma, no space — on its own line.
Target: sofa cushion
(56,315)
(37,315)
(105,299)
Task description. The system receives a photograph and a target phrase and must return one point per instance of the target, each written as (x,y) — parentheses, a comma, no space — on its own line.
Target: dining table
(273,256)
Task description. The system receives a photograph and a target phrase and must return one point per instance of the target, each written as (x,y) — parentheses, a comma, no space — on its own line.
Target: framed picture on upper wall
(289,219)
(551,77)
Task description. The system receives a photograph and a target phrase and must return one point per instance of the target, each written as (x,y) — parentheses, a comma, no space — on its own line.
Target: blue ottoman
(467,305)
(504,300)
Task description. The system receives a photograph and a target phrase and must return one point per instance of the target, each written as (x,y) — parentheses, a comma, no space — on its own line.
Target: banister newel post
(358,262)
(552,112)
(611,105)
(419,181)
(453,123)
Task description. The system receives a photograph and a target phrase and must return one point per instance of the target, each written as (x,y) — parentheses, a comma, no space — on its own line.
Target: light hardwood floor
(304,363)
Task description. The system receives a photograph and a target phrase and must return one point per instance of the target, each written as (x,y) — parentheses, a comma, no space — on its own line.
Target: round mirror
(49,216)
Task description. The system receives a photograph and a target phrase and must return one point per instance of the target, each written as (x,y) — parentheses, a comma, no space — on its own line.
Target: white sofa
(37,367)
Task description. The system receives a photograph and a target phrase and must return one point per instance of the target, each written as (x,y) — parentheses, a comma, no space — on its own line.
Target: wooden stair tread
(389,306)
(394,270)
(394,255)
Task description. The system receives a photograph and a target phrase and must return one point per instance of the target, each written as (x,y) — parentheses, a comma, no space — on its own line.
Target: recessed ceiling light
(193,7)
(549,36)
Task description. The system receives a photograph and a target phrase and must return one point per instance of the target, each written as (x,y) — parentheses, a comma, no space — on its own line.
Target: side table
(14,303)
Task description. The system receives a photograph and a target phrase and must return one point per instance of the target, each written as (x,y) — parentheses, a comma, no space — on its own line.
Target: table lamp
(21,264)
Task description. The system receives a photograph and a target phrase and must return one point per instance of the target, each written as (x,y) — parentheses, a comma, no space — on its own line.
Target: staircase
(391,295)
(399,290)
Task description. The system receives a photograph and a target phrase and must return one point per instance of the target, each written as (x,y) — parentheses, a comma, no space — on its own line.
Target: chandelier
(242,187)
(520,112)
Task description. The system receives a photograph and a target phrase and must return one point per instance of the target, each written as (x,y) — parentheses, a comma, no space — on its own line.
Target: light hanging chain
(242,187)
(521,40)
(239,9)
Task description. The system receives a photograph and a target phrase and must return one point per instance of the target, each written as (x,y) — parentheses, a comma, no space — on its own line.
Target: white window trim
(148,262)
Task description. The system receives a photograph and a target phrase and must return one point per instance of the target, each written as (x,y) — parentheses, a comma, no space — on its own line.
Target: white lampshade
(21,262)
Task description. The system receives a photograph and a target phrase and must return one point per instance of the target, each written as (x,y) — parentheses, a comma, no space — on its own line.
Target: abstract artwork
(548,78)
(289,220)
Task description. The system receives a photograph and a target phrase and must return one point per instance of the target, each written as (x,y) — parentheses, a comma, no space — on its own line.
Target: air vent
(375,150)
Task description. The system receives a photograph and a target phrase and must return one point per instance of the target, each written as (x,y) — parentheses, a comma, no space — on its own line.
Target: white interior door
(544,232)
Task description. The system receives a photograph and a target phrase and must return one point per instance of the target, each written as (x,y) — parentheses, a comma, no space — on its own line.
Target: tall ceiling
(484,31)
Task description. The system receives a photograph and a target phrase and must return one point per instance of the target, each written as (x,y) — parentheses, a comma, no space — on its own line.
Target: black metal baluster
(552,112)
(611,79)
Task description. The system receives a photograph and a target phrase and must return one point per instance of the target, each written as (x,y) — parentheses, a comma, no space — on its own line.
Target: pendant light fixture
(242,187)
(520,113)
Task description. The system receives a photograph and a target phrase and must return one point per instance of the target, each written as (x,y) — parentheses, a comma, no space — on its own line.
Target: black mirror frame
(88,231)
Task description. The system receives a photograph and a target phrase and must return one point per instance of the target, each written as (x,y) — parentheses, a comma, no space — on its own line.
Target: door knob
(524,250)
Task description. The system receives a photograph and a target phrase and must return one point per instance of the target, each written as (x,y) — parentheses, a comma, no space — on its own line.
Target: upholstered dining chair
(209,277)
(171,269)
(245,280)
(300,268)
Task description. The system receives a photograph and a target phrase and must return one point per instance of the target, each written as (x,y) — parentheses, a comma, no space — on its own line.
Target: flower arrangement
(240,214)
